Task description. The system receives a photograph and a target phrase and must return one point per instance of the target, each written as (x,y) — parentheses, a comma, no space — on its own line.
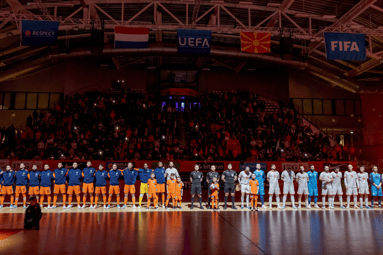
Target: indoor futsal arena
(191,127)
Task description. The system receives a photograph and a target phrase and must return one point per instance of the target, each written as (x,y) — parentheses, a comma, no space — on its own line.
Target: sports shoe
(124,207)
(309,207)
(367,207)
(283,207)
(242,207)
(155,208)
(104,206)
(218,209)
(342,207)
(270,207)
(316,206)
(252,209)
(332,207)
(224,207)
(79,207)
(134,207)
(83,206)
(324,207)
(256,208)
(139,206)
(201,207)
(299,206)
(356,207)
(118,207)
(52,207)
(191,207)
(379,206)
(24,207)
(69,206)
(233,207)
(212,209)
(208,207)
(12,206)
(248,207)
(264,207)
(348,207)
(95,206)
(108,207)
(279,207)
(41,206)
(163,206)
(1,206)
(361,207)
(294,207)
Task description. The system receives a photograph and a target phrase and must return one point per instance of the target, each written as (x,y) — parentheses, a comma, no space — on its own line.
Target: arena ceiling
(303,21)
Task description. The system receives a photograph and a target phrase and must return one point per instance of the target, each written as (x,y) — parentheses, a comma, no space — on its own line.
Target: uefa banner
(194,41)
(345,46)
(35,32)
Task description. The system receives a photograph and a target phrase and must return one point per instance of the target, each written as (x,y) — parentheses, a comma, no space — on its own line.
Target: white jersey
(336,182)
(363,177)
(288,177)
(327,177)
(273,178)
(244,178)
(351,179)
(302,180)
(170,171)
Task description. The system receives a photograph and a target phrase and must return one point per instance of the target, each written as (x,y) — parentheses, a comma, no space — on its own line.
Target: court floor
(196,232)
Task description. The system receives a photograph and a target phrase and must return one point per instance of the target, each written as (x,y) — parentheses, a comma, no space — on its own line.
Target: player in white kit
(326,178)
(302,178)
(363,187)
(352,183)
(337,186)
(272,178)
(288,177)
(244,179)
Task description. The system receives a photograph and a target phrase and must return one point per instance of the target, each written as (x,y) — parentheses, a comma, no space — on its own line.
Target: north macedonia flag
(255,42)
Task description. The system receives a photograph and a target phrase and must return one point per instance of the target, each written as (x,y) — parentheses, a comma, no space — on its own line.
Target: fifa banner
(194,41)
(345,46)
(35,32)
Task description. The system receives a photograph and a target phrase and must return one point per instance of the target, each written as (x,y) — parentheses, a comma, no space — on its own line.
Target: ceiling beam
(284,6)
(366,66)
(240,66)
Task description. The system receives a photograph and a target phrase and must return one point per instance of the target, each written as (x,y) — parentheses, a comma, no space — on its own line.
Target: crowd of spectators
(97,125)
(129,125)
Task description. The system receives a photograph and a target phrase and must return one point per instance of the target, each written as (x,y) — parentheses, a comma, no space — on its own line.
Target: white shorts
(274,189)
(352,191)
(288,189)
(364,190)
(302,190)
(337,190)
(327,190)
(245,188)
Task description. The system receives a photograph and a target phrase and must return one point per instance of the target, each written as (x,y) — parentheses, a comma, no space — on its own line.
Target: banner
(35,32)
(295,166)
(253,166)
(345,46)
(131,37)
(255,42)
(194,41)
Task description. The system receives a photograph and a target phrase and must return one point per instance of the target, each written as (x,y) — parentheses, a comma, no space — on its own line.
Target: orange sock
(148,202)
(16,200)
(118,200)
(91,200)
(252,202)
(78,200)
(104,199)
(49,200)
(24,199)
(255,202)
(134,200)
(109,200)
(12,199)
(96,200)
(174,202)
(2,200)
(163,198)
(55,200)
(41,200)
(156,201)
(64,199)
(84,200)
(167,202)
(70,200)
(125,200)
(180,201)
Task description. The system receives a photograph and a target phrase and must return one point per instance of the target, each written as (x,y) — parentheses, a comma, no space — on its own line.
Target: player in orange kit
(152,191)
(214,187)
(253,192)
(179,192)
(171,190)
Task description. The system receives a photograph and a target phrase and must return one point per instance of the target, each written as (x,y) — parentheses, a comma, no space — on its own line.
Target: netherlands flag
(131,37)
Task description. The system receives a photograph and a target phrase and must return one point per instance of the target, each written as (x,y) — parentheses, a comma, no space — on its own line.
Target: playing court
(194,232)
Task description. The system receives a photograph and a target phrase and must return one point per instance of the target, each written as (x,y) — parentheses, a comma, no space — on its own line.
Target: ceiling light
(312,40)
(273,5)
(206,69)
(302,15)
(245,3)
(151,67)
(328,16)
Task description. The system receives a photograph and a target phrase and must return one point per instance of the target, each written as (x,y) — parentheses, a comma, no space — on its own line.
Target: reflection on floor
(193,232)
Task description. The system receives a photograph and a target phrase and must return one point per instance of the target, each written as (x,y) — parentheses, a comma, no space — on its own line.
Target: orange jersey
(171,186)
(253,186)
(179,186)
(152,185)
(214,191)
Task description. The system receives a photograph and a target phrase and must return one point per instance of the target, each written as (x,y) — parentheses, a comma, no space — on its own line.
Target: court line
(259,248)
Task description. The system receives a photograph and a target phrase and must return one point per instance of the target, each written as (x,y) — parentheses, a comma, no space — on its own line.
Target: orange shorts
(171,195)
(100,190)
(152,195)
(178,196)
(20,189)
(45,190)
(59,188)
(75,189)
(160,188)
(6,190)
(114,190)
(87,188)
(129,189)
(34,190)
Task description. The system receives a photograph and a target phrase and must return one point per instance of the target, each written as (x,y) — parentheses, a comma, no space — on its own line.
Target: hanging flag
(255,42)
(194,41)
(131,37)
(35,32)
(345,46)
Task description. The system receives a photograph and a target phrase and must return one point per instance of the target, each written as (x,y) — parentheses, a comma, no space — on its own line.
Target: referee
(196,179)
(229,177)
(209,180)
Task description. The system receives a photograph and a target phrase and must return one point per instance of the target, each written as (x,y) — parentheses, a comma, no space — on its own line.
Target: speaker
(97,41)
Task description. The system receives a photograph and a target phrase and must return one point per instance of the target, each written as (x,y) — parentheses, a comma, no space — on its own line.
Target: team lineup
(158,182)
